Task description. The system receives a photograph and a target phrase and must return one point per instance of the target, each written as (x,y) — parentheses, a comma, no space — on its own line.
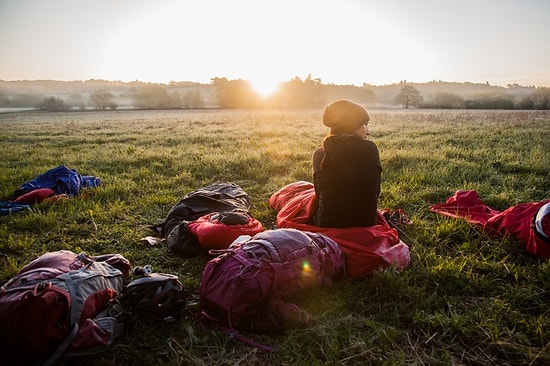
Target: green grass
(466,298)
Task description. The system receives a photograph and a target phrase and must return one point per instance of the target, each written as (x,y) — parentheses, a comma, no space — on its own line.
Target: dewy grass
(466,298)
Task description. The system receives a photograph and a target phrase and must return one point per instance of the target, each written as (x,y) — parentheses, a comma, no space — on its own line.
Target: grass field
(466,298)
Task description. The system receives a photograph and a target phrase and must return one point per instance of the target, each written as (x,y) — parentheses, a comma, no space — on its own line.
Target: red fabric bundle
(213,234)
(35,196)
(366,248)
(517,220)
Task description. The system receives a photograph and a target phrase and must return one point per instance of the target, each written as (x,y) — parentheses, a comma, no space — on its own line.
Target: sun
(265,87)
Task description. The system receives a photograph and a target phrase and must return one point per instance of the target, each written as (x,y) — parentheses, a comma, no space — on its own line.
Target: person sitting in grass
(346,169)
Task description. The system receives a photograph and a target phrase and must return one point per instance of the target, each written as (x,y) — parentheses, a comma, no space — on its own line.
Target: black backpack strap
(62,347)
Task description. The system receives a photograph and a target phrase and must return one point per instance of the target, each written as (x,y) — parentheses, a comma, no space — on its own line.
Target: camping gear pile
(67,304)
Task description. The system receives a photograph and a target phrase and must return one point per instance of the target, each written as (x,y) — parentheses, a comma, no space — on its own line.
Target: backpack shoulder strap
(62,347)
(233,332)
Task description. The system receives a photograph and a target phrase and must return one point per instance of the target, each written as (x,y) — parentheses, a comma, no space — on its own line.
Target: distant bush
(445,100)
(192,99)
(103,99)
(525,103)
(52,104)
(541,98)
(76,101)
(19,100)
(4,99)
(490,101)
(155,97)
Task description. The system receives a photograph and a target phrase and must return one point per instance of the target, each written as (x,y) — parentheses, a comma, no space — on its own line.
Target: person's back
(346,169)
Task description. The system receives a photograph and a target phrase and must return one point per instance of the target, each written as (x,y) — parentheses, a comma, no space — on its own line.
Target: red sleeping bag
(35,196)
(366,249)
(527,222)
(219,229)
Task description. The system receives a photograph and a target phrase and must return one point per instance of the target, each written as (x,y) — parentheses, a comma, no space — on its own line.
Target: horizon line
(507,85)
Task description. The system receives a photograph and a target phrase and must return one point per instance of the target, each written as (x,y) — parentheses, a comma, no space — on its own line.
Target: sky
(266,42)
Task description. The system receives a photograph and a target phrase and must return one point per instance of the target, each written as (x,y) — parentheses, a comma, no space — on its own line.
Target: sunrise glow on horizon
(269,42)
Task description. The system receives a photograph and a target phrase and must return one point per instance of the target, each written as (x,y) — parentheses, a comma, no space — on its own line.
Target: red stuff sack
(219,229)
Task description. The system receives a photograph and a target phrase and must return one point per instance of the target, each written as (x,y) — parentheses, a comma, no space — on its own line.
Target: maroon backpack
(245,286)
(60,304)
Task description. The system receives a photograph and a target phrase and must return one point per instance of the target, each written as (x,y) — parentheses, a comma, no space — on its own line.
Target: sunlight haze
(267,42)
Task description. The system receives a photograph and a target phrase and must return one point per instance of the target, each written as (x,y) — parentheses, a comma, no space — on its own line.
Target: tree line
(295,93)
(147,97)
(410,97)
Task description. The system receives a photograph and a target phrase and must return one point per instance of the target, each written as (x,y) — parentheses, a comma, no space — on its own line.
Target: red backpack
(59,304)
(245,286)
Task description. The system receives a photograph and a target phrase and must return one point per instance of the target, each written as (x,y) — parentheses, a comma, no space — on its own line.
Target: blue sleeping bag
(62,180)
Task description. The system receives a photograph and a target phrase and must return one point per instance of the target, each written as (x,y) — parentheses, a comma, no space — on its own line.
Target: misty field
(466,298)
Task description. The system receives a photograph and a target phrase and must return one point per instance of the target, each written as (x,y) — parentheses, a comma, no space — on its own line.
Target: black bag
(216,197)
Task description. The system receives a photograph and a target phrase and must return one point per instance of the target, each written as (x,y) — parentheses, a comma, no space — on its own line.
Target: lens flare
(305,267)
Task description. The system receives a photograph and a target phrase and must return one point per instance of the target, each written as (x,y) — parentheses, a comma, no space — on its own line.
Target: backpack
(60,304)
(219,197)
(159,296)
(246,286)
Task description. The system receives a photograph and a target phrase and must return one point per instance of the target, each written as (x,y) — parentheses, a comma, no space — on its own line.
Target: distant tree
(235,94)
(24,100)
(312,93)
(77,101)
(541,98)
(153,97)
(103,99)
(447,100)
(52,104)
(327,93)
(192,99)
(491,101)
(409,96)
(5,100)
(298,93)
(526,103)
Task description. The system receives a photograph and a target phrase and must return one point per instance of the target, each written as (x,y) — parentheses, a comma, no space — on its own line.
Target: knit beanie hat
(344,116)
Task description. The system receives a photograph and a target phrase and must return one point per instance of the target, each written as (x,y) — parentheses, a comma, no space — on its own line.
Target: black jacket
(346,175)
